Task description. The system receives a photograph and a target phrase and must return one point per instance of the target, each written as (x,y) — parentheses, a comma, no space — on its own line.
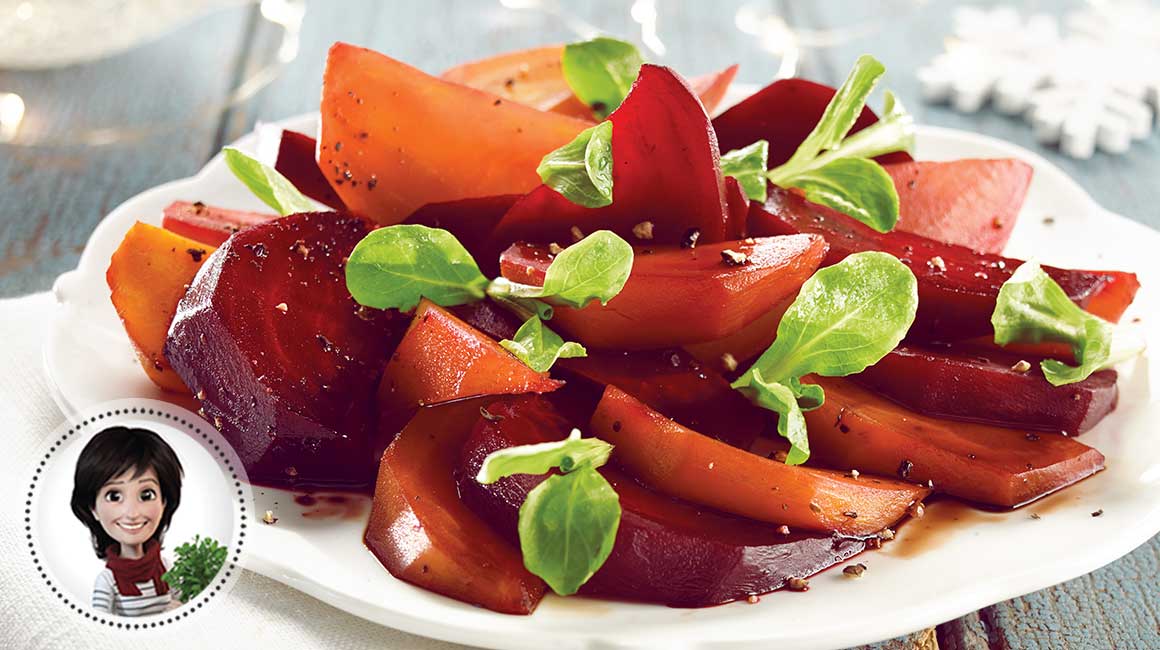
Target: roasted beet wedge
(783,113)
(674,383)
(989,387)
(977,462)
(666,552)
(441,359)
(665,169)
(682,463)
(972,203)
(283,360)
(297,163)
(956,286)
(676,296)
(394,139)
(535,77)
(423,533)
(207,224)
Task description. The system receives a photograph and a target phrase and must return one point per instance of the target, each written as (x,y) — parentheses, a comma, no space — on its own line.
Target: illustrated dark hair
(111,453)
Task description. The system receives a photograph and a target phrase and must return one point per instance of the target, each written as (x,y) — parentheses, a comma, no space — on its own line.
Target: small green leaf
(594,268)
(267,184)
(582,169)
(539,347)
(567,454)
(601,72)
(567,527)
(779,398)
(842,111)
(393,267)
(834,168)
(1033,308)
(857,187)
(747,165)
(845,319)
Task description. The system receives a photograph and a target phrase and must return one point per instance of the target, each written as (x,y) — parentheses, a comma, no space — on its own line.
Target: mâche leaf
(845,319)
(582,169)
(835,169)
(539,347)
(267,183)
(1032,308)
(393,267)
(842,111)
(567,454)
(747,165)
(857,187)
(601,71)
(594,268)
(567,523)
(567,528)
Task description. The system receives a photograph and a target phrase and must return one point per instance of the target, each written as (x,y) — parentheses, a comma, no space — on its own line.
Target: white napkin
(257,613)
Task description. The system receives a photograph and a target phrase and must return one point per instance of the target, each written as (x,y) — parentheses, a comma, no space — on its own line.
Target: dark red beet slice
(666,551)
(282,359)
(984,386)
(208,224)
(666,169)
(957,287)
(738,206)
(296,161)
(784,113)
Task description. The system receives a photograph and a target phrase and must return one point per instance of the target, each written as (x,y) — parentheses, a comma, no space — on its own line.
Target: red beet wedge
(676,295)
(207,224)
(297,163)
(856,429)
(972,203)
(957,287)
(783,113)
(471,221)
(990,387)
(666,169)
(423,533)
(282,359)
(666,551)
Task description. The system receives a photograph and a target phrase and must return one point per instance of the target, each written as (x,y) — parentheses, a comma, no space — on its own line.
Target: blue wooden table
(51,197)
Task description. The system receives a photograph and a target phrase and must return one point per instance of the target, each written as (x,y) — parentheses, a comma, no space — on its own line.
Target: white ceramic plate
(914,582)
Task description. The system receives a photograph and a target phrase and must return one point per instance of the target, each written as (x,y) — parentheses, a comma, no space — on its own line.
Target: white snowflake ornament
(1098,86)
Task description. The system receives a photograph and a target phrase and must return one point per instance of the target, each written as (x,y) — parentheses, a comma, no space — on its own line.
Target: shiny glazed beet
(296,162)
(956,286)
(985,386)
(207,224)
(972,203)
(677,296)
(784,113)
(423,533)
(665,169)
(441,359)
(977,462)
(394,139)
(679,386)
(677,461)
(666,552)
(282,359)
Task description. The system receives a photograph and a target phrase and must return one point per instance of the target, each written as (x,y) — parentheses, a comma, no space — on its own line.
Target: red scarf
(127,573)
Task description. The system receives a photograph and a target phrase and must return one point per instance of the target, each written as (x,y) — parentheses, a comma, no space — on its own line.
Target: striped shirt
(106,598)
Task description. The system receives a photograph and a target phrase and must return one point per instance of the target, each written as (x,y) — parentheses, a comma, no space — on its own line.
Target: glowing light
(11,115)
(24,11)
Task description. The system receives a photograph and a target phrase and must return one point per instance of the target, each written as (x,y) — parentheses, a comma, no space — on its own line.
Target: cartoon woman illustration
(126,488)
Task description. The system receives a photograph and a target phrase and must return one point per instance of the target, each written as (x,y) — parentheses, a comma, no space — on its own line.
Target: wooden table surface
(52,197)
